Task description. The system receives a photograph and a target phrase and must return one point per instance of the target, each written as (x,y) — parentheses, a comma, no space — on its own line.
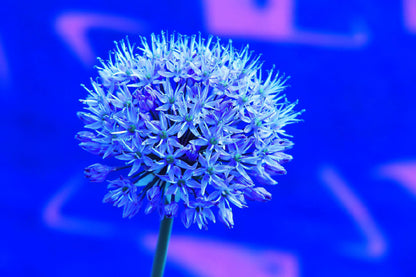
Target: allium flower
(194,124)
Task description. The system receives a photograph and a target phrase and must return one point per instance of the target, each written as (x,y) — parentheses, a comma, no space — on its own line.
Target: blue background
(346,206)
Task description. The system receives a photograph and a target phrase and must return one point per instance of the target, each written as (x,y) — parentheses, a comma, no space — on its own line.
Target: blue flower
(122,193)
(227,193)
(194,123)
(199,212)
(179,183)
(210,170)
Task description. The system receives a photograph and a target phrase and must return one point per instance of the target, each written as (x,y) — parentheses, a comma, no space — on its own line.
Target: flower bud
(132,208)
(171,209)
(97,172)
(258,194)
(226,217)
(146,100)
(153,193)
(94,148)
(85,136)
(275,169)
(87,118)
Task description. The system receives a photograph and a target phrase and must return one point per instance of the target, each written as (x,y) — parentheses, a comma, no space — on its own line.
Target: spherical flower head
(193,123)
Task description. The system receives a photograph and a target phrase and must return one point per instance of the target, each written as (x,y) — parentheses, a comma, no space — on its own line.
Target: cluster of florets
(194,124)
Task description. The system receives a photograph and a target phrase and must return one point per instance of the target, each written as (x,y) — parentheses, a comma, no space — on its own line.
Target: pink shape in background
(376,245)
(212,258)
(53,217)
(73,27)
(4,69)
(403,172)
(409,14)
(242,17)
(275,22)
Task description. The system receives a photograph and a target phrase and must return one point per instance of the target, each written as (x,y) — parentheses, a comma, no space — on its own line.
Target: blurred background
(346,206)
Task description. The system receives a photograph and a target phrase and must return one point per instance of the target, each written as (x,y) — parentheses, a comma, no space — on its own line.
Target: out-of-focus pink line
(376,244)
(403,172)
(73,28)
(409,11)
(4,69)
(273,23)
(53,217)
(211,258)
(329,40)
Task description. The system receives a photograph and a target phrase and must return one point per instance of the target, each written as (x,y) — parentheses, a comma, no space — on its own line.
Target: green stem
(162,247)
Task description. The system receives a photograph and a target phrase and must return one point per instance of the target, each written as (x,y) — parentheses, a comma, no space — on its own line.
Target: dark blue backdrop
(346,206)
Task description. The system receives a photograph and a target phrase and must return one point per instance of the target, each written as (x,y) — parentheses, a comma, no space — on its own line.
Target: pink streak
(355,40)
(53,217)
(4,69)
(276,22)
(211,258)
(403,172)
(74,27)
(376,245)
(409,10)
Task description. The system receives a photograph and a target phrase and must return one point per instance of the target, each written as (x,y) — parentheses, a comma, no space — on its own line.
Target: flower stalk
(159,260)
